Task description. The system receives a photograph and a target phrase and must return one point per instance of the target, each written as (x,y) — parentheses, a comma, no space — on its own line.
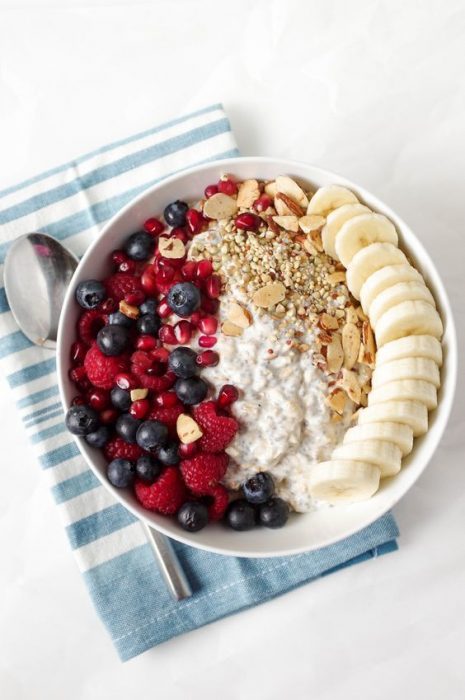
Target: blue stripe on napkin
(71,202)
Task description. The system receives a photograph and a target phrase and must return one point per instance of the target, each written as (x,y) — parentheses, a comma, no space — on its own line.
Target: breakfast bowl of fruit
(257,357)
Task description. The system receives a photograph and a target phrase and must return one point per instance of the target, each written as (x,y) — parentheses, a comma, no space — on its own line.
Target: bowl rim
(286,165)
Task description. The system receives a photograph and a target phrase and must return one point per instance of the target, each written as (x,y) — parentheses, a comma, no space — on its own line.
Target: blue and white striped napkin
(71,202)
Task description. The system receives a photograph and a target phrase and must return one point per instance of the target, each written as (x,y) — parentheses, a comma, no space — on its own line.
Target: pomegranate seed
(163,310)
(109,306)
(248,222)
(78,353)
(77,374)
(181,234)
(165,274)
(207,341)
(189,270)
(109,415)
(262,203)
(129,266)
(141,359)
(167,399)
(166,334)
(78,401)
(153,226)
(227,187)
(140,408)
(183,332)
(160,355)
(149,281)
(210,306)
(135,298)
(195,221)
(213,286)
(125,381)
(204,269)
(118,257)
(99,399)
(186,451)
(146,342)
(210,190)
(208,325)
(227,395)
(208,358)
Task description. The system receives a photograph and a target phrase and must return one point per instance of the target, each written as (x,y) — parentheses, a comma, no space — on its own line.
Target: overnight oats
(228,366)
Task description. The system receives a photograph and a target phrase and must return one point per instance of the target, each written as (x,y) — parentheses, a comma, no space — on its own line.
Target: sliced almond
(327,322)
(315,237)
(272,225)
(349,382)
(351,315)
(138,394)
(324,338)
(360,314)
(229,328)
(220,206)
(335,418)
(309,247)
(249,191)
(128,310)
(312,222)
(271,189)
(288,223)
(285,206)
(369,343)
(334,354)
(269,295)
(187,429)
(335,278)
(337,401)
(238,315)
(172,248)
(350,344)
(288,186)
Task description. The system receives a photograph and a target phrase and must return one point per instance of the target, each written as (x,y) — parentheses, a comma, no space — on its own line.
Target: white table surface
(373,90)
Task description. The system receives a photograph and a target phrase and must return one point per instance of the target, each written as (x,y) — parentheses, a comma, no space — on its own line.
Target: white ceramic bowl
(302,532)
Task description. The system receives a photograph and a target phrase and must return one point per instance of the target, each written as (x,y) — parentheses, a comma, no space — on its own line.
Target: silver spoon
(38,267)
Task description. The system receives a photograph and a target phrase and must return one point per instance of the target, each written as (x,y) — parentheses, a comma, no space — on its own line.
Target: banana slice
(384,278)
(411,413)
(368,260)
(404,291)
(408,318)
(334,221)
(385,455)
(328,198)
(361,231)
(405,390)
(406,368)
(400,434)
(411,346)
(339,481)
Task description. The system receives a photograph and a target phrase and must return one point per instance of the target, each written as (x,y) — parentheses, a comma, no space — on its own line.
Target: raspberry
(166,495)
(204,471)
(168,416)
(220,498)
(120,284)
(89,324)
(153,381)
(218,431)
(101,370)
(119,448)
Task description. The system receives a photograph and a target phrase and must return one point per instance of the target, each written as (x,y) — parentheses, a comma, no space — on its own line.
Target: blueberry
(151,435)
(119,319)
(259,488)
(168,454)
(175,213)
(120,473)
(81,420)
(148,469)
(113,340)
(90,294)
(99,438)
(126,426)
(183,298)
(193,516)
(240,515)
(274,513)
(182,362)
(191,391)
(149,306)
(148,324)
(120,398)
(140,246)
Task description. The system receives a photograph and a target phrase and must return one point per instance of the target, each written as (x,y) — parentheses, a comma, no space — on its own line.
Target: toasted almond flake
(288,223)
(138,394)
(337,277)
(349,382)
(271,189)
(128,310)
(350,344)
(239,316)
(309,247)
(269,295)
(171,248)
(337,401)
(328,323)
(334,354)
(368,339)
(285,206)
(289,187)
(351,315)
(360,314)
(324,338)
(229,328)
(335,418)
(187,429)
(312,222)
(248,192)
(315,237)
(220,206)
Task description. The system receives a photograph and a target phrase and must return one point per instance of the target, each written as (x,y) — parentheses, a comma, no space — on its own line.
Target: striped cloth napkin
(71,202)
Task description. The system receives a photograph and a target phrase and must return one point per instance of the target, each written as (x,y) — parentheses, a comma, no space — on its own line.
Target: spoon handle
(169,564)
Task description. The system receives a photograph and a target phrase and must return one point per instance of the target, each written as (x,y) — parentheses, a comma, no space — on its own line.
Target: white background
(373,90)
